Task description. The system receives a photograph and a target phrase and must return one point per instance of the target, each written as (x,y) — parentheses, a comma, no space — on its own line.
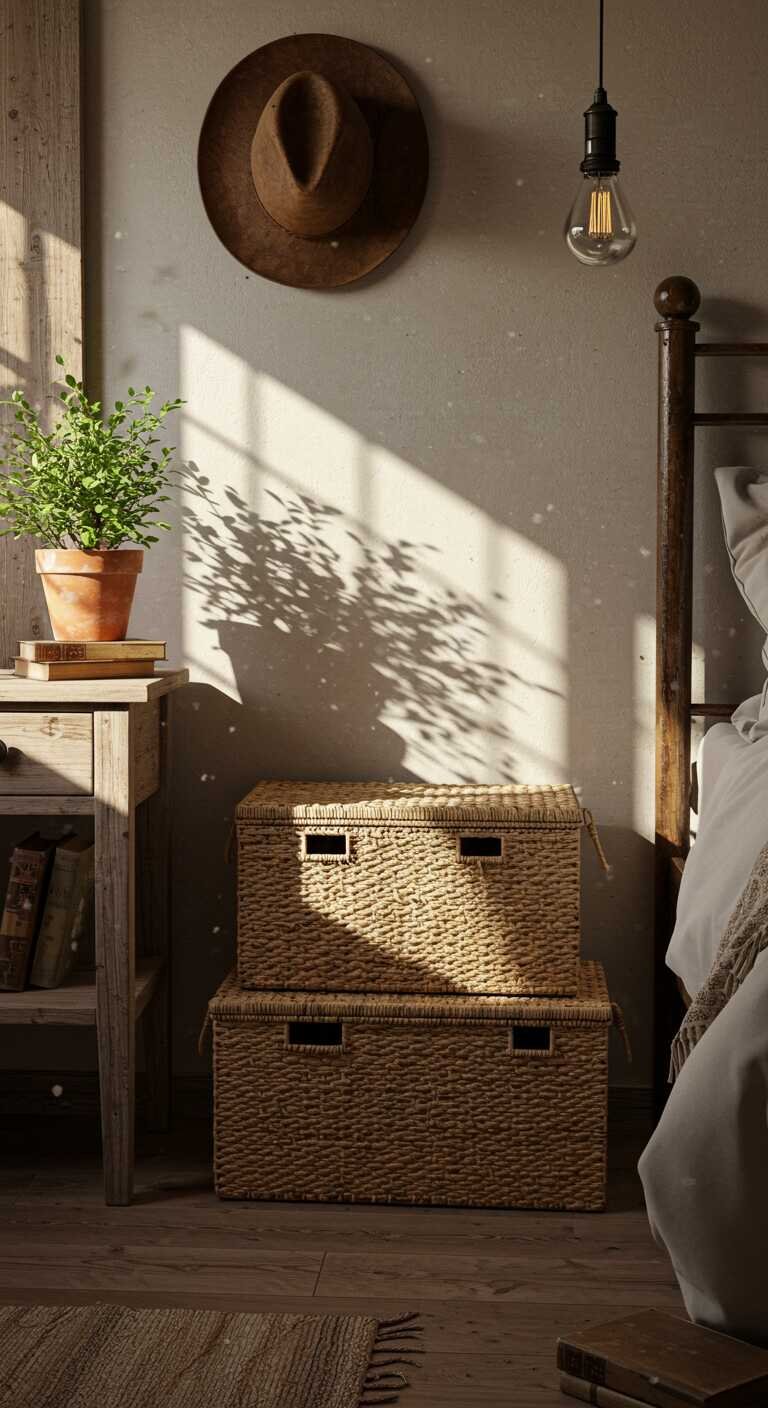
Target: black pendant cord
(600,45)
(600,120)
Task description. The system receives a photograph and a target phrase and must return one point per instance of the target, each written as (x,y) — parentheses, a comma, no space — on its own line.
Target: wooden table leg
(153,823)
(115,947)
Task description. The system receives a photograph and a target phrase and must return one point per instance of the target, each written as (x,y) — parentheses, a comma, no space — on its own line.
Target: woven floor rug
(112,1356)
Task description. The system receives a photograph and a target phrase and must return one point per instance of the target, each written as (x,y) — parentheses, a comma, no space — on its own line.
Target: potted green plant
(84,489)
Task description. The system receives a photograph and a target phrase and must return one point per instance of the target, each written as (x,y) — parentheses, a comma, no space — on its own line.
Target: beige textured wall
(426,548)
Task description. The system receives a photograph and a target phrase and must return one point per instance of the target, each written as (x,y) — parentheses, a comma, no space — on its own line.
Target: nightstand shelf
(74,1003)
(100,749)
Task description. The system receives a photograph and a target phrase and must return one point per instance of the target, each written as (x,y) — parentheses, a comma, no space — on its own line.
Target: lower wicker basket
(464,1101)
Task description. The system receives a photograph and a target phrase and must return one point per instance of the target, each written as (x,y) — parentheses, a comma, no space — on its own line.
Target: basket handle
(531,1040)
(480,847)
(326,846)
(324,1038)
(594,835)
(618,1022)
(207,1024)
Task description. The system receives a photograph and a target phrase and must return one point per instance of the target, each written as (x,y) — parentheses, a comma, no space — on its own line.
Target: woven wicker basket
(409,888)
(481,1102)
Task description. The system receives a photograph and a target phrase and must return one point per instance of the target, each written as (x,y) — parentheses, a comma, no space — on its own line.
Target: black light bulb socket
(600,137)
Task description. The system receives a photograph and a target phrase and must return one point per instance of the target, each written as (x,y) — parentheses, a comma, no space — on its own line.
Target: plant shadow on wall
(341,656)
(352,660)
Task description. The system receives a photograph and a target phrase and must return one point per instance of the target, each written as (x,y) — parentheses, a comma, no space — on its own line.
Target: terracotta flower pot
(89,594)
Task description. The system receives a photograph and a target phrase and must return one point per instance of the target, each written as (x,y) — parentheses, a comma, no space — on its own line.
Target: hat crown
(311,155)
(309,116)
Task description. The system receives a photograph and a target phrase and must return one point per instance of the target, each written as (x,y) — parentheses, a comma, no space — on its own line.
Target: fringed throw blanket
(744,939)
(113,1356)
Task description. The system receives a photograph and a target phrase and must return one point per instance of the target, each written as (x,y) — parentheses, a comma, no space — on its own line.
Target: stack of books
(88,659)
(46,926)
(660,1359)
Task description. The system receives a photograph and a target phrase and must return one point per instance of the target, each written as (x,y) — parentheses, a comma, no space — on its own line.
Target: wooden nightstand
(100,748)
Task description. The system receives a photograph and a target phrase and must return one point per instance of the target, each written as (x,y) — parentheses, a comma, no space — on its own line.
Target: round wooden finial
(677,297)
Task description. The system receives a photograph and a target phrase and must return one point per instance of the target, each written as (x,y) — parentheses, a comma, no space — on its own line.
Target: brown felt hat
(313,160)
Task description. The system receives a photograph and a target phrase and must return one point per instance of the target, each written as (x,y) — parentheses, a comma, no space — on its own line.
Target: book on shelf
(84,933)
(61,651)
(64,918)
(30,864)
(661,1359)
(83,669)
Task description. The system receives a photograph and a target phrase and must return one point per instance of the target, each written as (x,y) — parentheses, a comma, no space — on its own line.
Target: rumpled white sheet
(733,828)
(705,1171)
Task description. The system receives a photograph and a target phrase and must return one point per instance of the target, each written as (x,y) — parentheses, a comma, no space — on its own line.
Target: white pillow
(733,758)
(751,717)
(733,828)
(744,506)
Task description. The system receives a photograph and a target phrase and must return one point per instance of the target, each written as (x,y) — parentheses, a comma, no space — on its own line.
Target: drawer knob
(4,751)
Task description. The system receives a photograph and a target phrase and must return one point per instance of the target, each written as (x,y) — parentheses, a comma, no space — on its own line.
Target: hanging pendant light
(601,227)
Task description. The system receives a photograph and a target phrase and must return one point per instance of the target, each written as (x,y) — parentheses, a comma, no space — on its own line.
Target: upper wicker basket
(409,887)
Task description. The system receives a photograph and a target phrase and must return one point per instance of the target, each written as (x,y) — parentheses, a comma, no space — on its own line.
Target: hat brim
(400,163)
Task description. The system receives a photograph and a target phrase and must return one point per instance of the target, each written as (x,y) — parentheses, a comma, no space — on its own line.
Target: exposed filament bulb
(600,228)
(600,224)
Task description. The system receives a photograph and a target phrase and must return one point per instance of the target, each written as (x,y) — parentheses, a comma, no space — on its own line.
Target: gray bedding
(705,1171)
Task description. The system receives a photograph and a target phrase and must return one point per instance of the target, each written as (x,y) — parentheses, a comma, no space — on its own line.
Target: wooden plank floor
(494,1288)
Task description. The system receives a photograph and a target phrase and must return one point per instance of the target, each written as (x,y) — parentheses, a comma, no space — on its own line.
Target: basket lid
(510,803)
(591,1004)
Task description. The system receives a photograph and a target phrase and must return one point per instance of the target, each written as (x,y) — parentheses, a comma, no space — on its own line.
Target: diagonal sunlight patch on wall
(41,275)
(15,332)
(375,620)
(644,737)
(644,730)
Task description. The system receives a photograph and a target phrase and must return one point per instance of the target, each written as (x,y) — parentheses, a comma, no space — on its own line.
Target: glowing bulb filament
(600,214)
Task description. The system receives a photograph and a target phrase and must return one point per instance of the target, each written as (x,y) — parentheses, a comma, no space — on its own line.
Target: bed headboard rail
(676,301)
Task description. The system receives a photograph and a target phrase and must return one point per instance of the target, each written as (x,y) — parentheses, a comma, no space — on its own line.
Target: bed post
(676,301)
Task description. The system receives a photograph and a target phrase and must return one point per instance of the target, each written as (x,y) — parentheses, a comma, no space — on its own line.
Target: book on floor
(666,1361)
(30,864)
(588,1392)
(63,921)
(55,651)
(83,669)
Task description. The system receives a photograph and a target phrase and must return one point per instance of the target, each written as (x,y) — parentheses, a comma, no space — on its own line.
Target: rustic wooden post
(153,855)
(676,301)
(115,914)
(41,300)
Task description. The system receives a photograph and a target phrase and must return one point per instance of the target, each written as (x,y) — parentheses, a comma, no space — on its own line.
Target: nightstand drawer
(46,754)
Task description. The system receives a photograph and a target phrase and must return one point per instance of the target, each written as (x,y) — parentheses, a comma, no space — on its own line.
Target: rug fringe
(399,1358)
(382,1384)
(407,1318)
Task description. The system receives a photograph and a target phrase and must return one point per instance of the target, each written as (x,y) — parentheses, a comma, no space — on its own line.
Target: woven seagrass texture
(389,801)
(401,911)
(590,1003)
(115,1356)
(437,1105)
